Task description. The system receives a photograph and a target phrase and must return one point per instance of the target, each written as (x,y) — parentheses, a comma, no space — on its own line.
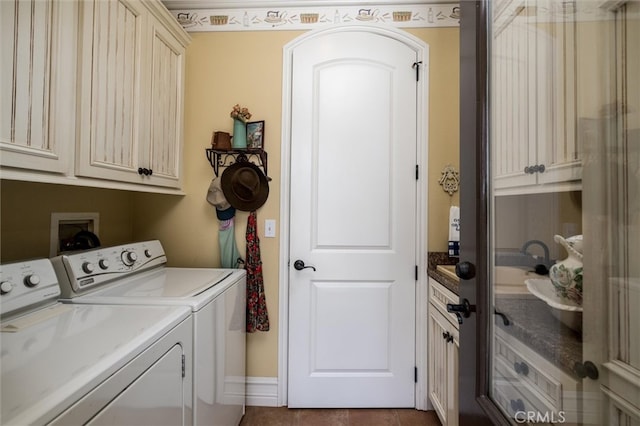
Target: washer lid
(50,361)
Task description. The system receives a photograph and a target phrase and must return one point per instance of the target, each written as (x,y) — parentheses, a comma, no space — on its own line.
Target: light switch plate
(270,228)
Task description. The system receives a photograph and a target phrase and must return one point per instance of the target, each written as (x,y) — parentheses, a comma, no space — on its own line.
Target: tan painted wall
(246,67)
(25,215)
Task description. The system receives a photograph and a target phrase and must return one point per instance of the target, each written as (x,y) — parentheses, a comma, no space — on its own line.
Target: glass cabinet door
(564,211)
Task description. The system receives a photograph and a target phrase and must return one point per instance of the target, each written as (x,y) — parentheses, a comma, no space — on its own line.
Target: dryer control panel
(84,271)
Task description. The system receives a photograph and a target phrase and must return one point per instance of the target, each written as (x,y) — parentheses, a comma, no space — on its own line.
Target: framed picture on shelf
(255,135)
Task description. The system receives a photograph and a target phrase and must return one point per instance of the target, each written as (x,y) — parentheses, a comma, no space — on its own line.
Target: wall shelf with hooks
(224,158)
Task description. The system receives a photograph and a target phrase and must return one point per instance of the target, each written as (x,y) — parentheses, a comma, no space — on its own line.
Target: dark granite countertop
(530,321)
(442,258)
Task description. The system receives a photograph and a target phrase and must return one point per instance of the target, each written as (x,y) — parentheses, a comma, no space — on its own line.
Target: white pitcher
(566,275)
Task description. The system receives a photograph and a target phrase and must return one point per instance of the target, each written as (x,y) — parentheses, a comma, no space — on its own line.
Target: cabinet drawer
(518,402)
(521,368)
(439,296)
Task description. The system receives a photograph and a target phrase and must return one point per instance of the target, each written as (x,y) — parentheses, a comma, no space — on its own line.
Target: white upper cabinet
(166,106)
(37,84)
(535,98)
(132,80)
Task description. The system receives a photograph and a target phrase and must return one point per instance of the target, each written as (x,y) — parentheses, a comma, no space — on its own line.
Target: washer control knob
(147,253)
(103,264)
(5,287)
(88,267)
(31,280)
(129,257)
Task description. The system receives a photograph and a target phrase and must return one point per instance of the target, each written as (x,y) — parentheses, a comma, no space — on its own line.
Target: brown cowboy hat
(245,186)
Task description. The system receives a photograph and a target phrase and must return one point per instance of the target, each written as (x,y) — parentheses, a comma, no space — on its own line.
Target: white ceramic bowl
(566,311)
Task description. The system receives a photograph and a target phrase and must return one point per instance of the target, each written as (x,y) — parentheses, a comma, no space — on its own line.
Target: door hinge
(417,171)
(415,374)
(183,366)
(416,272)
(416,65)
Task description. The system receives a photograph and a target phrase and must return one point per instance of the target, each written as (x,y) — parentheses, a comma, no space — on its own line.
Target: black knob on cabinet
(541,168)
(150,172)
(521,368)
(465,270)
(140,171)
(517,405)
(527,170)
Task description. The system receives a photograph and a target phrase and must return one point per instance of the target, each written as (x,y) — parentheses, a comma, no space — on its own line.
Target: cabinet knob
(447,336)
(517,405)
(521,368)
(541,168)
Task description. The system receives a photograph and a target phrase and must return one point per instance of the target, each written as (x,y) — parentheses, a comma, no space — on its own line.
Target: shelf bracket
(224,158)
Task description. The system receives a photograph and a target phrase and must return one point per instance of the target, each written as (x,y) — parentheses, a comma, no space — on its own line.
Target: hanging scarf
(257,315)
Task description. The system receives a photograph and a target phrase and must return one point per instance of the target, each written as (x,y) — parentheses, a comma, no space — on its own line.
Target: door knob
(586,369)
(465,270)
(299,265)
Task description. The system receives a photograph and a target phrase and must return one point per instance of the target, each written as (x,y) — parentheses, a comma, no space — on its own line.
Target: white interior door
(353,218)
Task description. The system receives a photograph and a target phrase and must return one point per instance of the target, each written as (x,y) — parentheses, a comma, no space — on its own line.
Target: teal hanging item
(229,254)
(239,140)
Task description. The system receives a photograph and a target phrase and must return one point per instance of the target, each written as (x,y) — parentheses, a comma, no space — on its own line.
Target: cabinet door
(110,114)
(612,172)
(558,148)
(535,97)
(514,123)
(37,83)
(163,151)
(443,367)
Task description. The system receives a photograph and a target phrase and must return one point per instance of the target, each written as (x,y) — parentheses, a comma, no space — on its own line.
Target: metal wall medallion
(450,180)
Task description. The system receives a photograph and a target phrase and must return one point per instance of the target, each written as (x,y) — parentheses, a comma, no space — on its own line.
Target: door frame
(422,148)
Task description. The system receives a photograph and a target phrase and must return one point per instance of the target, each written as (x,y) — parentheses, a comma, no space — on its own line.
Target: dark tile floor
(270,416)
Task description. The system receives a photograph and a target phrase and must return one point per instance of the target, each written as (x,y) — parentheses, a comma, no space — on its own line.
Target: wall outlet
(270,228)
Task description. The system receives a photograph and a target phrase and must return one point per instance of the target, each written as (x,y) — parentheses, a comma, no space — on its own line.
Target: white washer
(88,364)
(136,274)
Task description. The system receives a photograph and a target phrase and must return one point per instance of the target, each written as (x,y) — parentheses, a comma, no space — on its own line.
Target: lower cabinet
(524,382)
(443,354)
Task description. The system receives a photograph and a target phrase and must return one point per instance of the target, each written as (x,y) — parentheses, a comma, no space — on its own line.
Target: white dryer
(88,364)
(136,274)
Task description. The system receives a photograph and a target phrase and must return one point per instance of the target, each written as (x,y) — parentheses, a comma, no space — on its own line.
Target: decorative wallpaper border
(305,18)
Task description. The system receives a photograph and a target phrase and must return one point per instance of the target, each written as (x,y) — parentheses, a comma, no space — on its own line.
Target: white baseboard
(262,391)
